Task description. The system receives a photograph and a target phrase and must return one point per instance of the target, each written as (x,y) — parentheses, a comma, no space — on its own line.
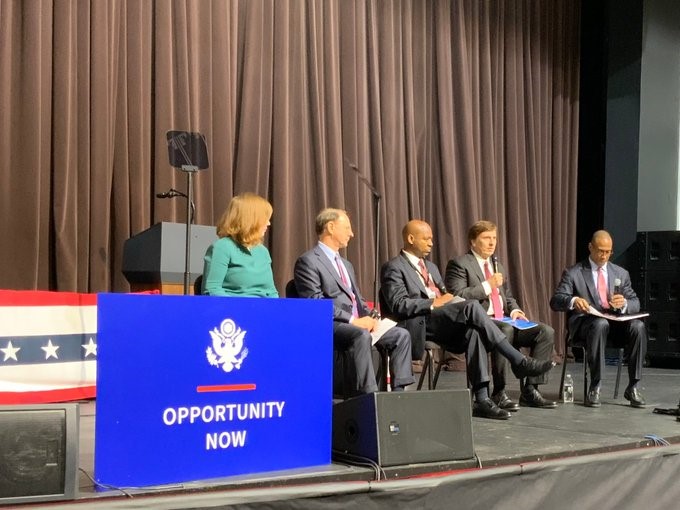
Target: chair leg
(426,367)
(618,374)
(430,371)
(564,373)
(442,356)
(585,376)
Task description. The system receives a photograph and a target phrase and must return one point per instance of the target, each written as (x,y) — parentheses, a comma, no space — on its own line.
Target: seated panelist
(478,275)
(412,293)
(238,264)
(321,273)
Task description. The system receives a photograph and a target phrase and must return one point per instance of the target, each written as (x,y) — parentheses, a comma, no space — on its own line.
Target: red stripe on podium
(225,387)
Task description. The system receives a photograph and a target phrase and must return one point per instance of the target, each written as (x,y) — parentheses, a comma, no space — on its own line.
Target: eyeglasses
(605,252)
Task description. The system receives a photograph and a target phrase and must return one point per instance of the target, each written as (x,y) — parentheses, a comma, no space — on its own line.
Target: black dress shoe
(532,398)
(488,409)
(530,367)
(634,396)
(502,400)
(593,398)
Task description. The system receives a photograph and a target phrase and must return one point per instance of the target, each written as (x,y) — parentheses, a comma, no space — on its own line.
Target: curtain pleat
(450,110)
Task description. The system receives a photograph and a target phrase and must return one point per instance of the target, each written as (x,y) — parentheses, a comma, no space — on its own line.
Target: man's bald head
(417,236)
(601,247)
(601,235)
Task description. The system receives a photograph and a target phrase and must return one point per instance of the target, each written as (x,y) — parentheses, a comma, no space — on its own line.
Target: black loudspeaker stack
(658,286)
(399,428)
(38,453)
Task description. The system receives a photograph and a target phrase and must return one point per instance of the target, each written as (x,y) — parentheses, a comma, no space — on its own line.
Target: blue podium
(199,387)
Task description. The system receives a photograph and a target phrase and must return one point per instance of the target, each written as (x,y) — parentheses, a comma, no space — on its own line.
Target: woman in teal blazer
(238,264)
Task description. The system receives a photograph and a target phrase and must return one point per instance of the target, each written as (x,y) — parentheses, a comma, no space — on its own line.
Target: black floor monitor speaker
(408,427)
(38,453)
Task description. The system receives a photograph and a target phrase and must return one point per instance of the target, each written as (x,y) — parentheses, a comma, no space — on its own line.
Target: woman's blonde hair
(244,219)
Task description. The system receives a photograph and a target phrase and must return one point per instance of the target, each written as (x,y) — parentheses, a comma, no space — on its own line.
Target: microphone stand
(376,218)
(190,170)
(172,193)
(188,153)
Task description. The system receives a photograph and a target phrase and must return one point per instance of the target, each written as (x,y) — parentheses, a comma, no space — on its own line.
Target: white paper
(619,318)
(384,325)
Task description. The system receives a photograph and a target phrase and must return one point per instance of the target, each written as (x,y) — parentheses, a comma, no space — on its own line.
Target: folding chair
(568,343)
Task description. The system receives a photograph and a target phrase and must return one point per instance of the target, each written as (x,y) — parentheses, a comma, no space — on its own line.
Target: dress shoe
(593,398)
(634,396)
(530,367)
(533,398)
(487,408)
(502,400)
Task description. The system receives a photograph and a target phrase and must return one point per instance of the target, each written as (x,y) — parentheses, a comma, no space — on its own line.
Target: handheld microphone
(494,262)
(617,286)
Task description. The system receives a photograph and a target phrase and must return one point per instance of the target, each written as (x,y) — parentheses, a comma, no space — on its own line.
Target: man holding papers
(478,275)
(596,283)
(412,293)
(322,273)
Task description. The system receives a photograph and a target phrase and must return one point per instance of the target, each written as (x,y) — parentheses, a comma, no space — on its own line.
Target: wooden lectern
(154,258)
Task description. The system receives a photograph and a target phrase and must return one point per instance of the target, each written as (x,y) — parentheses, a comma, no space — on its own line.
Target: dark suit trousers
(357,343)
(539,340)
(594,331)
(465,328)
(397,343)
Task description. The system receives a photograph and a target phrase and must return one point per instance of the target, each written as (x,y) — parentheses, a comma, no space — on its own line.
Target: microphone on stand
(364,180)
(171,193)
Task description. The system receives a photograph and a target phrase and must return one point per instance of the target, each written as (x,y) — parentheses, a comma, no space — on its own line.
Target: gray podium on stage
(154,258)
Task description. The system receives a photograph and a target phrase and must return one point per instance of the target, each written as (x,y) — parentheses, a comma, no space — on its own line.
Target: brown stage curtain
(454,110)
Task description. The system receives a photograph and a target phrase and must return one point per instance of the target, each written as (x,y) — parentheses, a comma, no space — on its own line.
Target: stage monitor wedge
(408,427)
(38,453)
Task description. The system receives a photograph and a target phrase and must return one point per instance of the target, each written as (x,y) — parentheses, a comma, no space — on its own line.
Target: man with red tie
(597,283)
(321,273)
(478,275)
(412,293)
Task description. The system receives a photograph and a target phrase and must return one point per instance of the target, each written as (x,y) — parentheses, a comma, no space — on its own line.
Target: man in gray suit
(478,275)
(597,283)
(322,273)
(412,292)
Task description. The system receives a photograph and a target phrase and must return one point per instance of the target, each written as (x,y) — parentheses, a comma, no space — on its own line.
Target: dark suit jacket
(316,277)
(577,281)
(404,299)
(464,278)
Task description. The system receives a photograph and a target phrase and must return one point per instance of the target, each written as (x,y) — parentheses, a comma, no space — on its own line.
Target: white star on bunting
(50,350)
(90,348)
(10,351)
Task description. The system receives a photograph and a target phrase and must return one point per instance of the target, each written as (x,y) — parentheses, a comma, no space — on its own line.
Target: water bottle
(568,389)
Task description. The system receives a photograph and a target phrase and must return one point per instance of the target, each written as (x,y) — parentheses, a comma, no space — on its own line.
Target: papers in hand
(518,323)
(384,325)
(614,317)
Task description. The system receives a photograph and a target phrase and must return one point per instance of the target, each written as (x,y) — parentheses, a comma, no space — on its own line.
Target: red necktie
(343,277)
(495,295)
(602,288)
(426,278)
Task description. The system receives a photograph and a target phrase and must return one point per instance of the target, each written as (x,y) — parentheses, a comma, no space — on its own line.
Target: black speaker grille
(32,452)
